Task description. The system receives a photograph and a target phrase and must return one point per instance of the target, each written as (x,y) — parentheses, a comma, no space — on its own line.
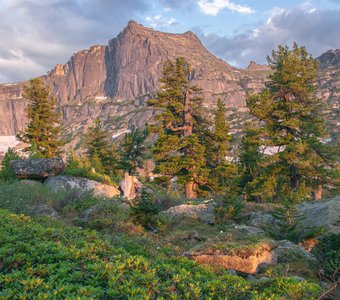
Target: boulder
(324,214)
(286,251)
(44,210)
(130,187)
(245,259)
(37,168)
(203,212)
(259,219)
(67,182)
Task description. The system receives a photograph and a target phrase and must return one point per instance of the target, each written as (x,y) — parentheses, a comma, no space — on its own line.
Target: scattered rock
(245,260)
(286,251)
(324,214)
(299,278)
(38,168)
(232,272)
(202,212)
(44,210)
(251,277)
(259,219)
(264,278)
(67,182)
(249,230)
(30,182)
(130,186)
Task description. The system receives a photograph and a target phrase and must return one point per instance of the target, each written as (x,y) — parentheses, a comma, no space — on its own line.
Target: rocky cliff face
(112,82)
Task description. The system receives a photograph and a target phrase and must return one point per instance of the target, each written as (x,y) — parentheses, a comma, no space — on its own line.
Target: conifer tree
(178,151)
(222,172)
(132,150)
(98,148)
(249,163)
(220,136)
(293,122)
(42,133)
(6,171)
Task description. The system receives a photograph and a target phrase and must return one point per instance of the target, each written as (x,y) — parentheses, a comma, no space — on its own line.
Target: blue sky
(37,34)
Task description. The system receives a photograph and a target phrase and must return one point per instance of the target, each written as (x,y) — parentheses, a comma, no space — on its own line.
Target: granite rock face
(38,168)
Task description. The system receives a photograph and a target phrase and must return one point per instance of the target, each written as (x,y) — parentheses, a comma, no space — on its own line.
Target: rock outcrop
(43,210)
(202,212)
(68,182)
(130,187)
(38,168)
(246,260)
(324,214)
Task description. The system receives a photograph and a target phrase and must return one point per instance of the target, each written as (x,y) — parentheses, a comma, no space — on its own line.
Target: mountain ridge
(113,81)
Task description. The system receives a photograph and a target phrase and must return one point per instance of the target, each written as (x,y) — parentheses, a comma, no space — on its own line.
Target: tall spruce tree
(178,151)
(42,133)
(221,135)
(250,160)
(222,172)
(293,123)
(99,150)
(133,150)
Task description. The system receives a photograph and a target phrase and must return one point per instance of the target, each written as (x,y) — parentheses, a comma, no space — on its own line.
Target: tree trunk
(190,192)
(187,119)
(294,178)
(317,193)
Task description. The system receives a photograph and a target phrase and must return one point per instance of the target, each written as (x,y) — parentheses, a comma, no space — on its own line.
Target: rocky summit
(113,81)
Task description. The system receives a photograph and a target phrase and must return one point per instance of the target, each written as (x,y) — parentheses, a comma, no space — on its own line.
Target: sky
(37,34)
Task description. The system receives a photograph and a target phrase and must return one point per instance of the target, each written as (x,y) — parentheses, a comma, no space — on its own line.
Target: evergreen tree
(6,171)
(42,133)
(99,150)
(132,150)
(249,164)
(178,151)
(145,210)
(223,172)
(292,121)
(220,136)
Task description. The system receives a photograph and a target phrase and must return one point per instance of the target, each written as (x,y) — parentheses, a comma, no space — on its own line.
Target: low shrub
(227,209)
(6,170)
(43,259)
(145,210)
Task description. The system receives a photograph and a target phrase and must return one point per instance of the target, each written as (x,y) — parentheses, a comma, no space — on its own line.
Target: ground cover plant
(41,259)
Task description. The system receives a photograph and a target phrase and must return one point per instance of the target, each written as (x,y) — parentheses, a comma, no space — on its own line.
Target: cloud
(37,34)
(161,22)
(315,29)
(215,6)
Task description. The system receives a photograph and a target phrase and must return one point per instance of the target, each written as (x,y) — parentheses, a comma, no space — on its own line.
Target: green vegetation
(100,151)
(292,121)
(178,150)
(6,171)
(132,150)
(43,260)
(145,210)
(42,133)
